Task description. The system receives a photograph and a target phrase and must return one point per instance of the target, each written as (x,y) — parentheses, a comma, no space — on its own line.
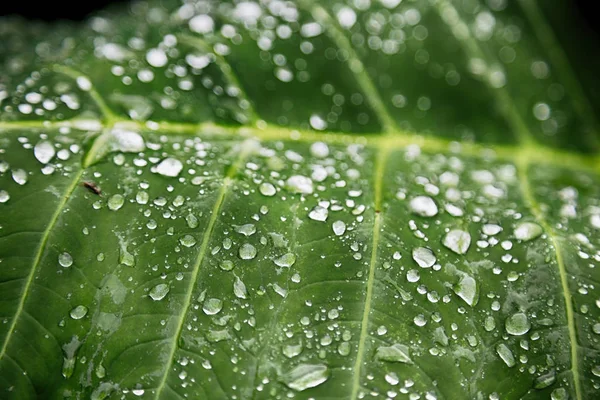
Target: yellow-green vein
(354,63)
(246,148)
(381,159)
(39,253)
(226,69)
(523,167)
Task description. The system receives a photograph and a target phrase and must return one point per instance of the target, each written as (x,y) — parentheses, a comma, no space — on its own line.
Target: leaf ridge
(354,63)
(38,257)
(226,69)
(381,159)
(229,178)
(524,181)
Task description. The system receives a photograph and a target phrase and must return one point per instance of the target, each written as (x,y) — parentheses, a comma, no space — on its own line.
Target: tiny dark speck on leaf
(92,187)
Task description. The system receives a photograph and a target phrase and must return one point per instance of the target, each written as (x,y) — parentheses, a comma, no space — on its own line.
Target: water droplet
(78,312)
(395,353)
(545,380)
(65,260)
(458,241)
(319,150)
(318,213)
(239,289)
(596,370)
(188,241)
(247,251)
(517,324)
(306,376)
(226,265)
(44,152)
(115,202)
(423,206)
(392,378)
(169,167)
(299,184)
(506,355)
(159,291)
(292,350)
(246,230)
(527,231)
(4,196)
(127,141)
(559,394)
(466,289)
(424,257)
(339,227)
(212,306)
(491,229)
(267,189)
(192,221)
(19,176)
(286,260)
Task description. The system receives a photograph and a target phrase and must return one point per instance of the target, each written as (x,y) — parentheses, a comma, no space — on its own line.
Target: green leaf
(240,200)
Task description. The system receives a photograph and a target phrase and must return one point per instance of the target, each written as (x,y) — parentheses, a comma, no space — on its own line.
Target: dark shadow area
(53,11)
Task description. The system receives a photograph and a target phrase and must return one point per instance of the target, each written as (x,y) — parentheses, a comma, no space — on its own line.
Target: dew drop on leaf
(506,355)
(239,289)
(517,324)
(423,206)
(78,312)
(226,265)
(247,251)
(559,394)
(44,152)
(169,167)
(286,260)
(4,196)
(318,213)
(458,241)
(159,291)
(246,229)
(19,176)
(299,184)
(395,353)
(305,376)
(212,306)
(115,202)
(65,260)
(187,241)
(466,289)
(267,189)
(339,227)
(527,231)
(424,257)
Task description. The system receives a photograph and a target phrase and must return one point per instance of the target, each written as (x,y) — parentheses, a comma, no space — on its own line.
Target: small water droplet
(239,289)
(246,229)
(395,353)
(506,355)
(466,289)
(20,176)
(286,260)
(187,241)
(226,265)
(299,184)
(4,196)
(318,213)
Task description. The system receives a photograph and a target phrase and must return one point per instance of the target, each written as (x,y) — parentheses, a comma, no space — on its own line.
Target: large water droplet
(187,241)
(506,355)
(44,152)
(267,189)
(299,184)
(286,260)
(239,289)
(247,251)
(4,196)
(127,141)
(212,306)
(20,176)
(423,206)
(339,227)
(65,260)
(527,231)
(395,353)
(458,241)
(226,265)
(306,376)
(466,289)
(424,257)
(159,291)
(169,167)
(517,324)
(78,312)
(318,213)
(246,229)
(115,202)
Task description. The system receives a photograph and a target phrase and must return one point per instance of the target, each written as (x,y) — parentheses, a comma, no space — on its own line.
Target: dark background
(78,10)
